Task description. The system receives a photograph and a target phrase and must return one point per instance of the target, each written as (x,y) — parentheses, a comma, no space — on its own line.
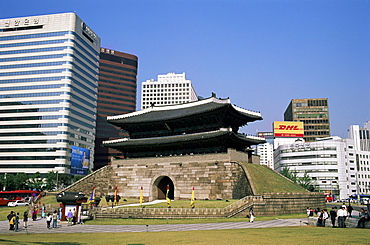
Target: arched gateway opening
(161,183)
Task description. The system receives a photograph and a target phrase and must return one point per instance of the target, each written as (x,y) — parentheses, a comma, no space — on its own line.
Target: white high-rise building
(168,90)
(48,83)
(266,153)
(361,136)
(266,150)
(330,162)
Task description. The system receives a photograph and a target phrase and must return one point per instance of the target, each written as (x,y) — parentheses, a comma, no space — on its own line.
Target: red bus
(10,196)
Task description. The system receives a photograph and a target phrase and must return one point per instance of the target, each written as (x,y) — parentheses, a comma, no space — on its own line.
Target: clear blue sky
(260,53)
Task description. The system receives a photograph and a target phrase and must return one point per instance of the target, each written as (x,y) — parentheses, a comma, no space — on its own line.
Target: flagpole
(92,197)
(141,196)
(192,200)
(167,199)
(115,196)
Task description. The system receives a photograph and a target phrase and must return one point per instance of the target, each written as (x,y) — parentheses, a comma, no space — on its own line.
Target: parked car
(18,203)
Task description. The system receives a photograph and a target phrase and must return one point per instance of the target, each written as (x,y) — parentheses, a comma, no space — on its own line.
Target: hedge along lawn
(282,235)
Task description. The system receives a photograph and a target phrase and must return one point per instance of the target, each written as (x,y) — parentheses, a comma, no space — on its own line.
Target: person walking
(324,216)
(48,220)
(364,216)
(59,213)
(43,211)
(25,219)
(308,211)
(75,216)
(251,215)
(16,222)
(34,214)
(342,215)
(333,216)
(70,217)
(55,219)
(11,218)
(349,209)
(319,217)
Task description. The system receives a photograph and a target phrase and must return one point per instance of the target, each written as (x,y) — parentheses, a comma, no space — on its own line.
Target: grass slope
(267,181)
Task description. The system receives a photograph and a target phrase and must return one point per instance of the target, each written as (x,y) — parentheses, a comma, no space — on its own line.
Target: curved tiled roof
(183,139)
(171,112)
(71,197)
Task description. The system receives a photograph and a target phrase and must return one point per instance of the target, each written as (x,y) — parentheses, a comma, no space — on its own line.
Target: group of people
(322,215)
(72,217)
(339,214)
(13,219)
(51,218)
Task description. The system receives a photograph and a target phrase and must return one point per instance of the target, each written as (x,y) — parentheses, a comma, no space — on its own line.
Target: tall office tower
(168,90)
(361,136)
(48,83)
(361,139)
(116,95)
(314,113)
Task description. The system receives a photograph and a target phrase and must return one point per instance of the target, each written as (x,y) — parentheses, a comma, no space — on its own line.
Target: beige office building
(314,113)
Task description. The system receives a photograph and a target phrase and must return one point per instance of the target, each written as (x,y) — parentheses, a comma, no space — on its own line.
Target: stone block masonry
(267,205)
(214,176)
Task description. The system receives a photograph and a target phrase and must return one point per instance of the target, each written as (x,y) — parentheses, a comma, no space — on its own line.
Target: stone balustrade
(269,204)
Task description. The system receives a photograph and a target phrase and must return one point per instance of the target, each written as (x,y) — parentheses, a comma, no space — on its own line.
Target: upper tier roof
(210,106)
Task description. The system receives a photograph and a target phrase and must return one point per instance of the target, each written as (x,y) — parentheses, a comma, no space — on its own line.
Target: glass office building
(116,95)
(48,83)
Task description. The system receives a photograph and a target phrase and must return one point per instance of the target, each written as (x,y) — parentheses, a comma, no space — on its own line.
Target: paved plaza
(39,226)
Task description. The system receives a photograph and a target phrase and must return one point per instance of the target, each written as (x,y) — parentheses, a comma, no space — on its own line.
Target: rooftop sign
(288,129)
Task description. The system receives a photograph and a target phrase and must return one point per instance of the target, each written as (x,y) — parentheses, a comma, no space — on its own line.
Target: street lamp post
(4,187)
(56,184)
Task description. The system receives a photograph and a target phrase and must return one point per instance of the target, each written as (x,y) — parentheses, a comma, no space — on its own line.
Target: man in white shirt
(342,215)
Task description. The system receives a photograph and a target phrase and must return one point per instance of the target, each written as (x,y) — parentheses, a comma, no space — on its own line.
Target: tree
(2,181)
(292,175)
(36,182)
(20,181)
(51,180)
(305,181)
(8,181)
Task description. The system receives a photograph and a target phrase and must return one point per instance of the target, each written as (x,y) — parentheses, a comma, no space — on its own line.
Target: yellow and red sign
(288,129)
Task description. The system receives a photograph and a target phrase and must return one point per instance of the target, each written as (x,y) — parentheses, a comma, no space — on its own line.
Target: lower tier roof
(205,142)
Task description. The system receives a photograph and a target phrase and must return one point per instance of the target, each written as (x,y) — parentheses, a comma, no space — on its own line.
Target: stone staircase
(243,204)
(101,177)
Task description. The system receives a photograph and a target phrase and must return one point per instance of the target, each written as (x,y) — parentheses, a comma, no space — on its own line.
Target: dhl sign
(288,129)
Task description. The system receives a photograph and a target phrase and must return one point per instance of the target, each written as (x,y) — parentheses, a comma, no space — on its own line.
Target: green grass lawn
(285,235)
(261,175)
(6,210)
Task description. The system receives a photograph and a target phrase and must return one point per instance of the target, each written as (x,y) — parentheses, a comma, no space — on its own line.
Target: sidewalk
(39,226)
